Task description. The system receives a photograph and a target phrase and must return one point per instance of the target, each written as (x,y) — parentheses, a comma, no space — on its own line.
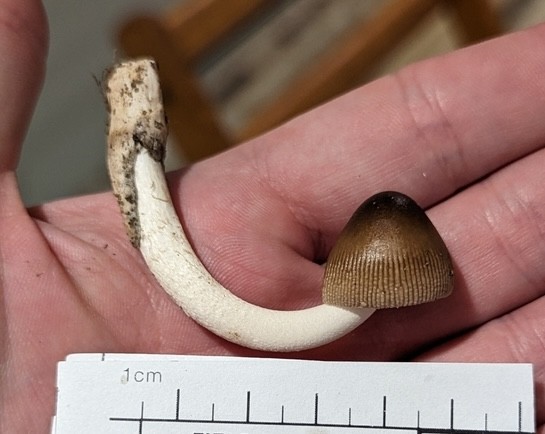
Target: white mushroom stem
(136,140)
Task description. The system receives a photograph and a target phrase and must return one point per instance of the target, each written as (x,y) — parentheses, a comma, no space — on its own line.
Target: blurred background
(231,69)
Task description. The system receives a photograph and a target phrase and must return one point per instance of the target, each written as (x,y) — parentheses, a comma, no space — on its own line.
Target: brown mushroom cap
(388,255)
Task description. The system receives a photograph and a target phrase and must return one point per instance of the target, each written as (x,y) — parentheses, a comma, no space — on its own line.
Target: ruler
(123,393)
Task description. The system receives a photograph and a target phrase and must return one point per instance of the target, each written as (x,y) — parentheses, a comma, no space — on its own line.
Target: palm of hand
(262,216)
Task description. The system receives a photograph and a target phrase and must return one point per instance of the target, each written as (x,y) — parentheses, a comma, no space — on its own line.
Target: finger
(517,337)
(431,129)
(23,46)
(495,231)
(22,54)
(427,131)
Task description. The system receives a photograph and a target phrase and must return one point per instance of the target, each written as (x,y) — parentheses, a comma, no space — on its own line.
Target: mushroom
(389,254)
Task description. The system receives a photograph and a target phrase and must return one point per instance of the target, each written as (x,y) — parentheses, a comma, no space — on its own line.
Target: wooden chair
(180,37)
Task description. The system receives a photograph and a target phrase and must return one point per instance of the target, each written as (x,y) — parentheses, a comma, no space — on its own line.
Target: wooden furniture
(179,37)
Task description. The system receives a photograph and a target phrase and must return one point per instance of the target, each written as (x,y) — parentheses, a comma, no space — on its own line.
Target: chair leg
(477,19)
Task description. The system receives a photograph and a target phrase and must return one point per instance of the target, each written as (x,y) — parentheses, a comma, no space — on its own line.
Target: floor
(68,127)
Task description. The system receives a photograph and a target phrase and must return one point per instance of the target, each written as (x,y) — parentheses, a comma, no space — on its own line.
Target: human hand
(462,134)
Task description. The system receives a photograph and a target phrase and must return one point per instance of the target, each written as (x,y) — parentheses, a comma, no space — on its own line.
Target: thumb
(23,49)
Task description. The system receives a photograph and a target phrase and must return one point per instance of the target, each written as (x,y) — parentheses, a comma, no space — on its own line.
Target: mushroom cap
(388,255)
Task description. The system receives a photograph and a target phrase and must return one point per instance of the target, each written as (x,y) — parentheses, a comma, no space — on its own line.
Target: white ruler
(120,393)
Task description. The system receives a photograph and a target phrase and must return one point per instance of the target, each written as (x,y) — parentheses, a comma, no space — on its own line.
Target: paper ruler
(120,393)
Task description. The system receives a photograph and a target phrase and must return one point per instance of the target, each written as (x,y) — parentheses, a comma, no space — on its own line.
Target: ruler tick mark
(452,414)
(520,416)
(177,404)
(141,421)
(316,409)
(248,406)
(384,411)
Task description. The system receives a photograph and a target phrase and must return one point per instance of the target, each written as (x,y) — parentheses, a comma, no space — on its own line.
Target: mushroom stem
(136,142)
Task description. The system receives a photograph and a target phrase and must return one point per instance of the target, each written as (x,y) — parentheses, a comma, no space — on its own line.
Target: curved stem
(173,262)
(137,138)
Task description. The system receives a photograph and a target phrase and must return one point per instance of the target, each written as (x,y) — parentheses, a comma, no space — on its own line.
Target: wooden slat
(186,32)
(342,67)
(198,24)
(476,19)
